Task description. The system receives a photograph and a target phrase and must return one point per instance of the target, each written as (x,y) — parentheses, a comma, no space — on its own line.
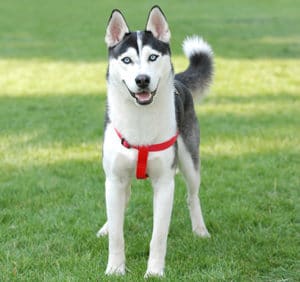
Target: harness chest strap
(143,152)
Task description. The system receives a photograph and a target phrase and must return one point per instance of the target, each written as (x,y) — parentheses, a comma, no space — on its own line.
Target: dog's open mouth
(144,97)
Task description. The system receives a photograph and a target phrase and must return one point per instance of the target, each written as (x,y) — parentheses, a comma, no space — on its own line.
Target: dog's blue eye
(152,57)
(126,60)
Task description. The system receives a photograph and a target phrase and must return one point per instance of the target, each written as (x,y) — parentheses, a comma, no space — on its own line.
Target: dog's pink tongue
(143,96)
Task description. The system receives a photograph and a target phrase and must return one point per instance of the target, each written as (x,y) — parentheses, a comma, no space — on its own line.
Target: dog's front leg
(115,206)
(162,209)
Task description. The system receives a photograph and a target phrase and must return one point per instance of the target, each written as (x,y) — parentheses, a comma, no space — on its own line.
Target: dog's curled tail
(198,76)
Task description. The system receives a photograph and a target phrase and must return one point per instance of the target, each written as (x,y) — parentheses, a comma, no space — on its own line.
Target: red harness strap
(143,151)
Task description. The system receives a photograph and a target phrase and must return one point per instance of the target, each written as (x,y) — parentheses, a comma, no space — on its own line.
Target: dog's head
(139,61)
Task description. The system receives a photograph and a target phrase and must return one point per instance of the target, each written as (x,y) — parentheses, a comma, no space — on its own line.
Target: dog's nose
(142,80)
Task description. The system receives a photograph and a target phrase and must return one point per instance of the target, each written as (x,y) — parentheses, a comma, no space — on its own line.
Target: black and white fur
(147,103)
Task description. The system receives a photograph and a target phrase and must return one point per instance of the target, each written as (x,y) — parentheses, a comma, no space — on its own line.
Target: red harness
(143,151)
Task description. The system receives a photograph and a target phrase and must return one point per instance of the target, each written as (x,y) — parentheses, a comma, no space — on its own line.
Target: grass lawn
(52,100)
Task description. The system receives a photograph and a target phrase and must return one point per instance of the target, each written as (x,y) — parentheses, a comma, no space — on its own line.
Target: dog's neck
(142,125)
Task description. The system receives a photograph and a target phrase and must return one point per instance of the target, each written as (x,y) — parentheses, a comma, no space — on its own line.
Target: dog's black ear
(116,28)
(157,24)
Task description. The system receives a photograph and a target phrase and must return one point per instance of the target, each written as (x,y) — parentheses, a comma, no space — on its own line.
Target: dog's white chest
(122,161)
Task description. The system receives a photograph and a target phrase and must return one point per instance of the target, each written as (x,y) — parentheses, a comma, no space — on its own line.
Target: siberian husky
(151,127)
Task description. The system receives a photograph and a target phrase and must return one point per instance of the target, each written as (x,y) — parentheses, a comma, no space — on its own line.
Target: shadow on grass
(50,212)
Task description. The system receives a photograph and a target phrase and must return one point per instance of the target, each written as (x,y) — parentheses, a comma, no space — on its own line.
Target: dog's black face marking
(150,40)
(130,40)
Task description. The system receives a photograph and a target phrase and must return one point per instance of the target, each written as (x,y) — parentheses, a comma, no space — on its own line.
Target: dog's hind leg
(191,174)
(103,231)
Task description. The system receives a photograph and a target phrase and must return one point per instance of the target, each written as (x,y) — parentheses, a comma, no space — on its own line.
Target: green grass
(52,100)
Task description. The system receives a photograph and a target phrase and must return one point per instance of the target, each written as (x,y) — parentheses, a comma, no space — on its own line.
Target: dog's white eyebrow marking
(139,41)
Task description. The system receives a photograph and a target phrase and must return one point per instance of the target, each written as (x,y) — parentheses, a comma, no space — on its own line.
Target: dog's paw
(150,274)
(103,230)
(155,269)
(201,232)
(115,269)
(116,264)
